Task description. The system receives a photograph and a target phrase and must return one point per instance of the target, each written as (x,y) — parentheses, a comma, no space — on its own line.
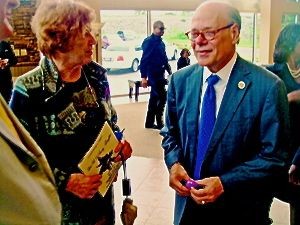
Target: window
(129,28)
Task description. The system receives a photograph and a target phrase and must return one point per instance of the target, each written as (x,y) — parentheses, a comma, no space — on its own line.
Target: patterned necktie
(207,121)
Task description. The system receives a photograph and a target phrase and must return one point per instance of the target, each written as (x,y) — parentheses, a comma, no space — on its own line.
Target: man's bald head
(158,24)
(223,9)
(158,28)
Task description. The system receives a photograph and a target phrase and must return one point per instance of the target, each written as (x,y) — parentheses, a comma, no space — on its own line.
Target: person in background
(7,59)
(105,42)
(286,65)
(226,128)
(184,59)
(64,102)
(154,63)
(27,187)
(121,35)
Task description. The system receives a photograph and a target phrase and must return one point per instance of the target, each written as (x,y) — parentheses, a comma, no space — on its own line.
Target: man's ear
(235,34)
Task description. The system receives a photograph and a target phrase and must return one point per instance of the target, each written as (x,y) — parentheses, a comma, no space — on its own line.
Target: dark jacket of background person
(183,61)
(286,65)
(282,71)
(288,192)
(154,61)
(6,81)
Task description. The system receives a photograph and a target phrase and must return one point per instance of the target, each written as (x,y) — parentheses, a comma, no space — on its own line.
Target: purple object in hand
(191,183)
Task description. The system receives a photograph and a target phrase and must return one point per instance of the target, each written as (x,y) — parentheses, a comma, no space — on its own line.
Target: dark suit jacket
(247,146)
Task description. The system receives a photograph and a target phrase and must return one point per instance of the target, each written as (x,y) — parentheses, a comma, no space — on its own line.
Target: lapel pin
(241,85)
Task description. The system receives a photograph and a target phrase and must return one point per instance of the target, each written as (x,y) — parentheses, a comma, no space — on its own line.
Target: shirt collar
(223,73)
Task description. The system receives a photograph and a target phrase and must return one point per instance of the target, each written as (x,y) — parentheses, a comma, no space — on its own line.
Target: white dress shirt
(220,86)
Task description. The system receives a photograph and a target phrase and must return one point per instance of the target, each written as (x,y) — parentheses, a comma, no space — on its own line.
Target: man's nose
(201,39)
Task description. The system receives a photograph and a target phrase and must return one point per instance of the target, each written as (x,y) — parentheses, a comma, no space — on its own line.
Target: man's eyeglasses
(162,28)
(207,35)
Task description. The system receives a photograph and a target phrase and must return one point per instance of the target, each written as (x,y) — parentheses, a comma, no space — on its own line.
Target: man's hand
(212,190)
(178,174)
(83,186)
(144,83)
(294,175)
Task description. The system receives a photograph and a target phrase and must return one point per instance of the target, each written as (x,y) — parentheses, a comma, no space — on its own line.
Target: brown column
(97,27)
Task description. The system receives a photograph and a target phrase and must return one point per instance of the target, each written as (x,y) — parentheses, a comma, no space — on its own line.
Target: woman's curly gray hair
(57,23)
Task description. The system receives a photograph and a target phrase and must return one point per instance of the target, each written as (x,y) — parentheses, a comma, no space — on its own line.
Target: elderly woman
(64,103)
(287,66)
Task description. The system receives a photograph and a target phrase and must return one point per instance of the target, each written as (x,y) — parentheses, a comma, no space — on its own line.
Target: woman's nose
(93,38)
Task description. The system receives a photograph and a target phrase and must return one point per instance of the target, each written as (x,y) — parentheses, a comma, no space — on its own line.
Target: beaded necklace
(295,73)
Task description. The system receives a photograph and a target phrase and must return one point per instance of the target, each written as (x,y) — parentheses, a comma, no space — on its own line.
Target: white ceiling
(242,5)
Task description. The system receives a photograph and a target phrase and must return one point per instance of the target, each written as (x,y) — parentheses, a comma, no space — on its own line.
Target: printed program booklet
(100,158)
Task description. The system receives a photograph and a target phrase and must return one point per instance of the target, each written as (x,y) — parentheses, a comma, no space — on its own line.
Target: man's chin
(6,30)
(203,62)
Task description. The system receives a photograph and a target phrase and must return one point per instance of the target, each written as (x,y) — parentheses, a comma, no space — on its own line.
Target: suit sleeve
(296,160)
(171,133)
(148,48)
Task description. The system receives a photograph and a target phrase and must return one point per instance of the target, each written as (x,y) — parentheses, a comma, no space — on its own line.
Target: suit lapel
(193,98)
(237,86)
(193,90)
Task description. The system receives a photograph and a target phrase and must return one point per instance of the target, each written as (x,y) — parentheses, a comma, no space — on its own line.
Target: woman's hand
(294,175)
(83,186)
(294,96)
(124,150)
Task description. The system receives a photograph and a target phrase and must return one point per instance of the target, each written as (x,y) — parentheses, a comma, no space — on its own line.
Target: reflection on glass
(290,18)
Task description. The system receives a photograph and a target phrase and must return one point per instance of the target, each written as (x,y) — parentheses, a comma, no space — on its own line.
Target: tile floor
(154,198)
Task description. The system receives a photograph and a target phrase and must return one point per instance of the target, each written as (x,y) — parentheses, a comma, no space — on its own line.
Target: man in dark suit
(7,59)
(154,63)
(245,156)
